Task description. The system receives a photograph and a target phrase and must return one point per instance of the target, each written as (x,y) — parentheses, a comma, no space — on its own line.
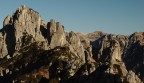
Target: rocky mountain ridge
(32,51)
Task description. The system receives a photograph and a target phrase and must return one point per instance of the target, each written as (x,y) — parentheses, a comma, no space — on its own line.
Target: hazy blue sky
(111,16)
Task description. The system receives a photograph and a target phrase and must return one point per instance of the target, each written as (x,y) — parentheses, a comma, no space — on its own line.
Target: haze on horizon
(110,16)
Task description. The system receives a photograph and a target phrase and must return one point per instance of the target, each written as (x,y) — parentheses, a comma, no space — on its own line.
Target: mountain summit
(32,51)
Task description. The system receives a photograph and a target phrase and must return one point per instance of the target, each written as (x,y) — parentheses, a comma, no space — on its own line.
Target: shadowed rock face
(33,52)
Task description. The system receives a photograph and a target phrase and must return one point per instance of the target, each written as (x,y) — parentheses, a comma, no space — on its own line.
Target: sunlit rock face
(32,51)
(24,22)
(56,34)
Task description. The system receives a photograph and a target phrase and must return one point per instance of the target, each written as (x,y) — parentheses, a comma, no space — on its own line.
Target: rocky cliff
(32,51)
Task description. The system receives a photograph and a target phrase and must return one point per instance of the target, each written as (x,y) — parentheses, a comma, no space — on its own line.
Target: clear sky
(111,16)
